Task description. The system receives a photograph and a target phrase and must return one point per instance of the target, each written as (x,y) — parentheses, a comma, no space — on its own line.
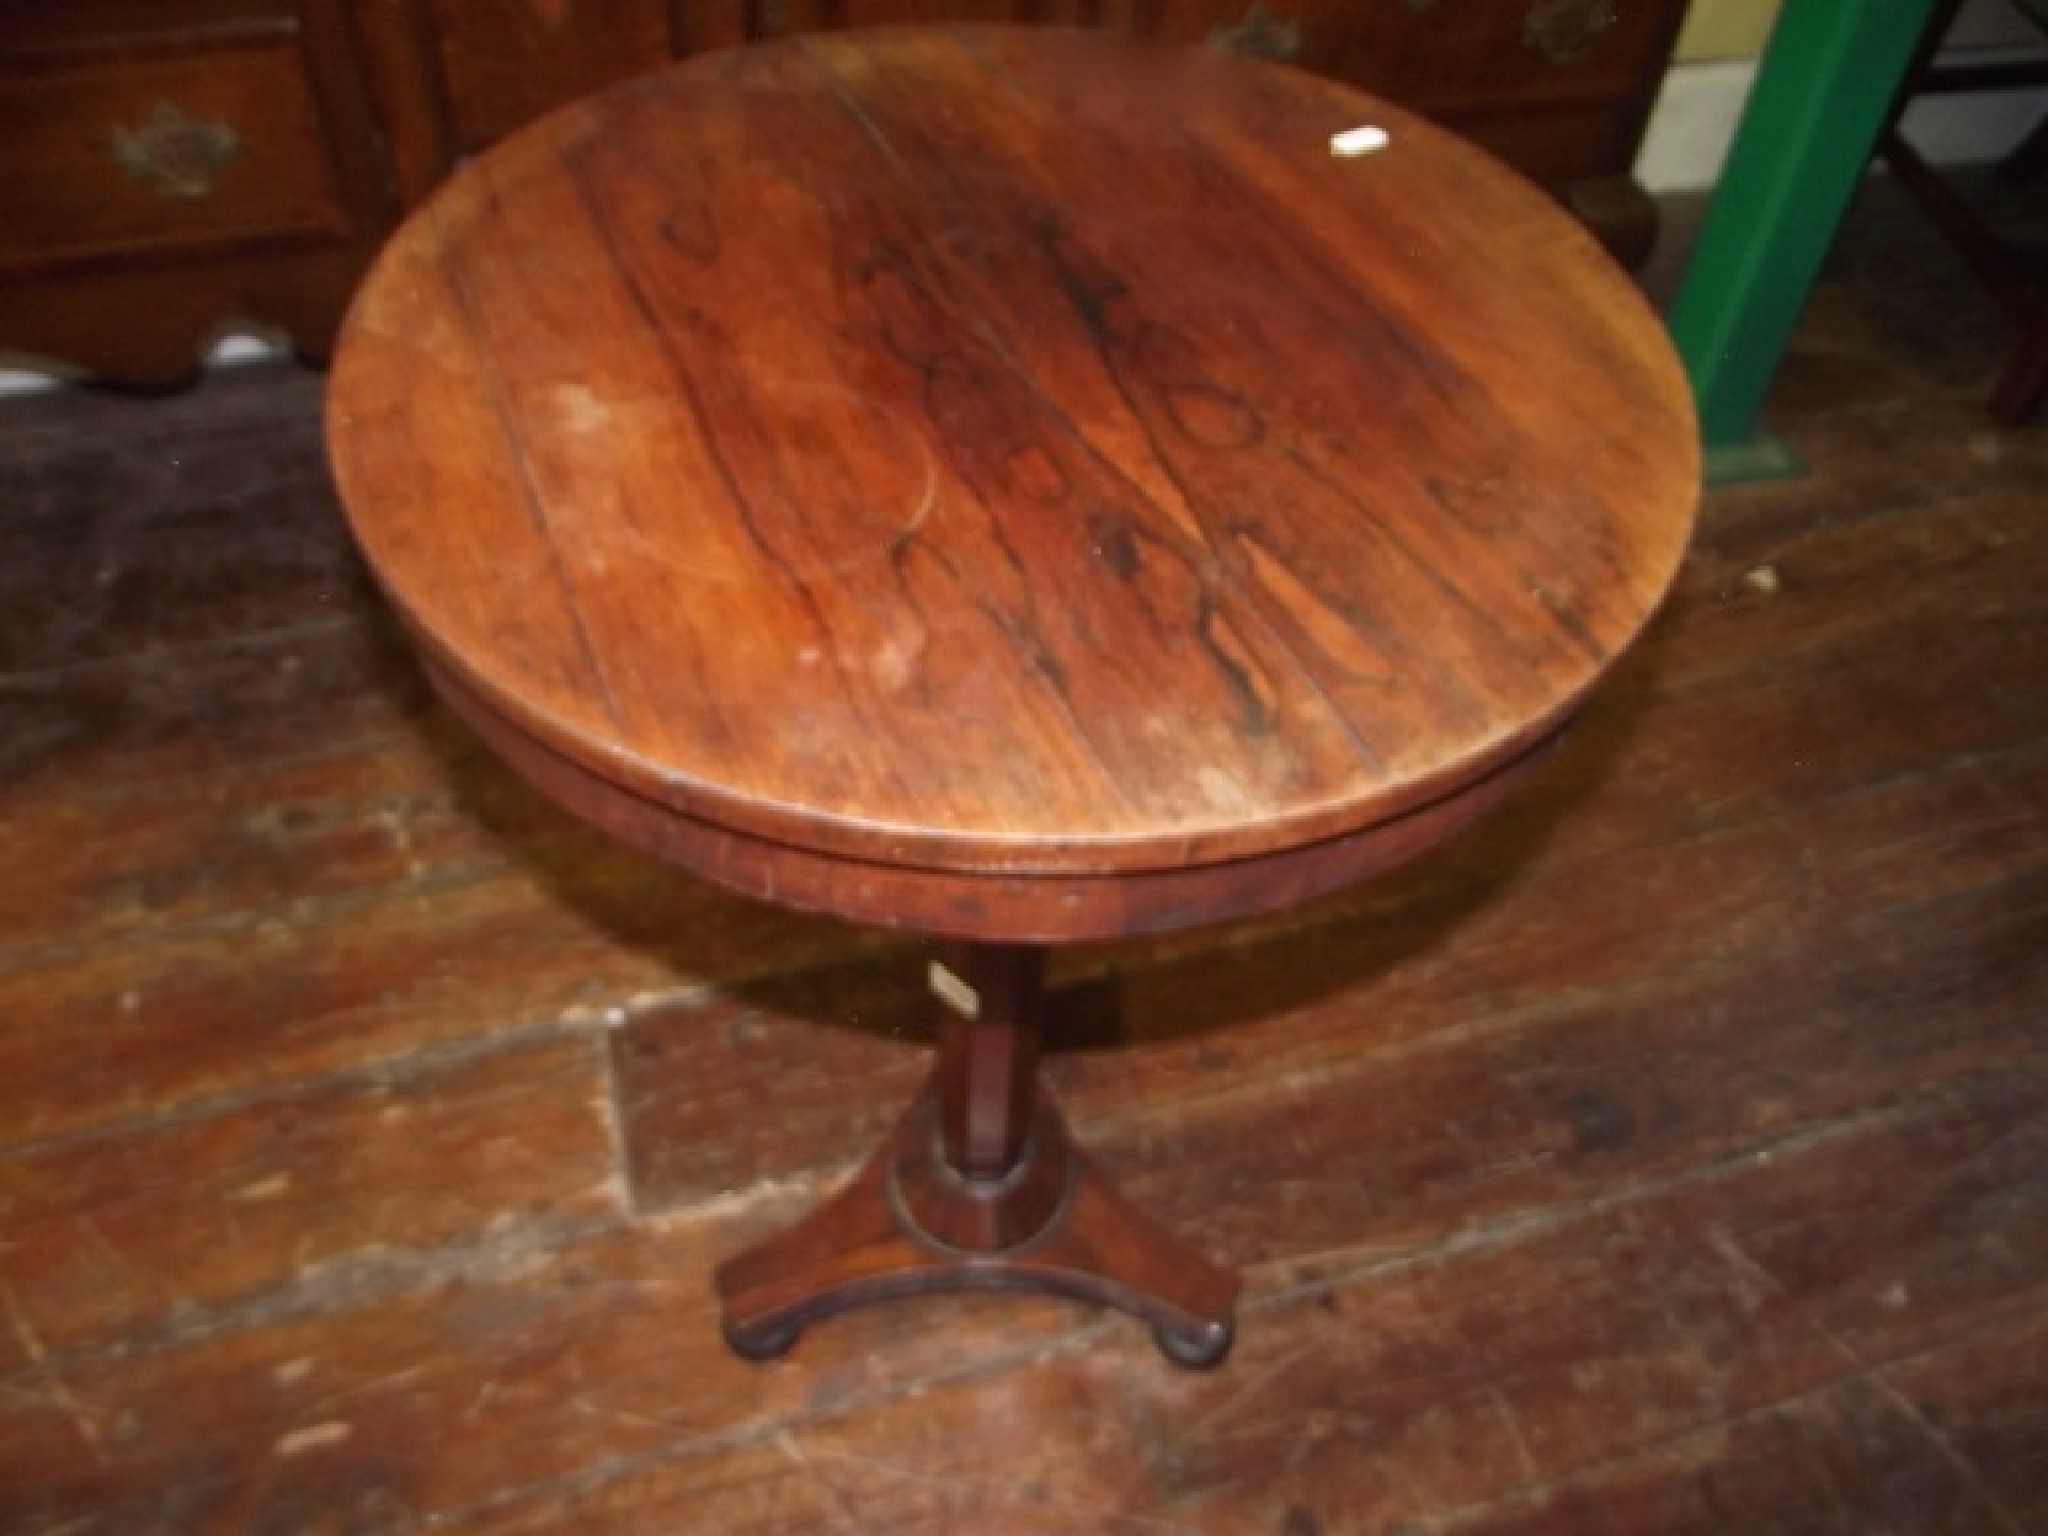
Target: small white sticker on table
(1365,139)
(954,992)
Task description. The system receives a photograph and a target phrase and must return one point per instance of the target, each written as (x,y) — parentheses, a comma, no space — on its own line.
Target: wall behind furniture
(1716,61)
(1725,29)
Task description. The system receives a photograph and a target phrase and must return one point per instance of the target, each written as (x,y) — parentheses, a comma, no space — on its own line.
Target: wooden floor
(1670,1156)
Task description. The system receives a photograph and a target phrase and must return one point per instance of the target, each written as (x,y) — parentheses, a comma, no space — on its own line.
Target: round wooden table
(1020,486)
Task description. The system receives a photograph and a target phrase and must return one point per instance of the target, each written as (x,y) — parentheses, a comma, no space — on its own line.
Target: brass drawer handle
(1262,33)
(174,155)
(1567,31)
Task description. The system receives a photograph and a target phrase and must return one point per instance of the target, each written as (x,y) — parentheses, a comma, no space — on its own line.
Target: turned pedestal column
(980,1188)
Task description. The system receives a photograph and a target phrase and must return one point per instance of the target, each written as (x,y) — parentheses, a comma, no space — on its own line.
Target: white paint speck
(265,1189)
(1365,139)
(312,1437)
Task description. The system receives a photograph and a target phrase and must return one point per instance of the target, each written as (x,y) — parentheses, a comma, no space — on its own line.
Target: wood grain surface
(1011,451)
(1669,1156)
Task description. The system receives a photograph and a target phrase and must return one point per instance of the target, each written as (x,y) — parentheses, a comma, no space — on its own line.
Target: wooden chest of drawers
(168,167)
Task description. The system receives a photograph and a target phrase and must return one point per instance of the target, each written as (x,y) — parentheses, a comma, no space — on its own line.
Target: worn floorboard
(1668,1156)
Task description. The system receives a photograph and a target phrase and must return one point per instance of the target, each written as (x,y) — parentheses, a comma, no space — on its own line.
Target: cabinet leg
(979,1187)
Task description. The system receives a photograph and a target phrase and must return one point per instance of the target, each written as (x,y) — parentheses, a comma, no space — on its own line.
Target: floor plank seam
(1082,1337)
(324,748)
(1720,1429)
(1504,1231)
(1499,1023)
(381,1072)
(306,914)
(158,656)
(350,1280)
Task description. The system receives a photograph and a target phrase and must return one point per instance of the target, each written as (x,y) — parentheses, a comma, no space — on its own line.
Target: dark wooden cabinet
(1561,89)
(169,167)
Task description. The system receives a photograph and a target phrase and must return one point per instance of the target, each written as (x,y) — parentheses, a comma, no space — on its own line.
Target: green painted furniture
(1824,90)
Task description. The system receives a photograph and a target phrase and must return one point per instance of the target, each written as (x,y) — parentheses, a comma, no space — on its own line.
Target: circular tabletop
(1007,452)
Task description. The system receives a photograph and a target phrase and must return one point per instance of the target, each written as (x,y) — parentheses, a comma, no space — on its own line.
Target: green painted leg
(1823,90)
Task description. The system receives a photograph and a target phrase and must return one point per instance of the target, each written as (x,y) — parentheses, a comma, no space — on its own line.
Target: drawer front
(109,157)
(505,62)
(1439,56)
(777,18)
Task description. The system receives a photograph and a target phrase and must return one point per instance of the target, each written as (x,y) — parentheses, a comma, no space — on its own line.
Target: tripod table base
(908,1225)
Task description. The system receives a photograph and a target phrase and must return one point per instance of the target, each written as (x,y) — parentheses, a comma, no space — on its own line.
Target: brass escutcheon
(1263,34)
(174,155)
(1568,31)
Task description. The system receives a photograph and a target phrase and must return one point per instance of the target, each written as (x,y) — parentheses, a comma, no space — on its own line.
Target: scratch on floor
(1965,1468)
(382,1385)
(1513,1421)
(1759,1279)
(1873,1376)
(997,1494)
(1246,1388)
(632,1418)
(829,1494)
(90,1226)
(60,1390)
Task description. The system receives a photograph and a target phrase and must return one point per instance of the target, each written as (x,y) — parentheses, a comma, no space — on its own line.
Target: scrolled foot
(1199,1348)
(1061,1230)
(760,1341)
